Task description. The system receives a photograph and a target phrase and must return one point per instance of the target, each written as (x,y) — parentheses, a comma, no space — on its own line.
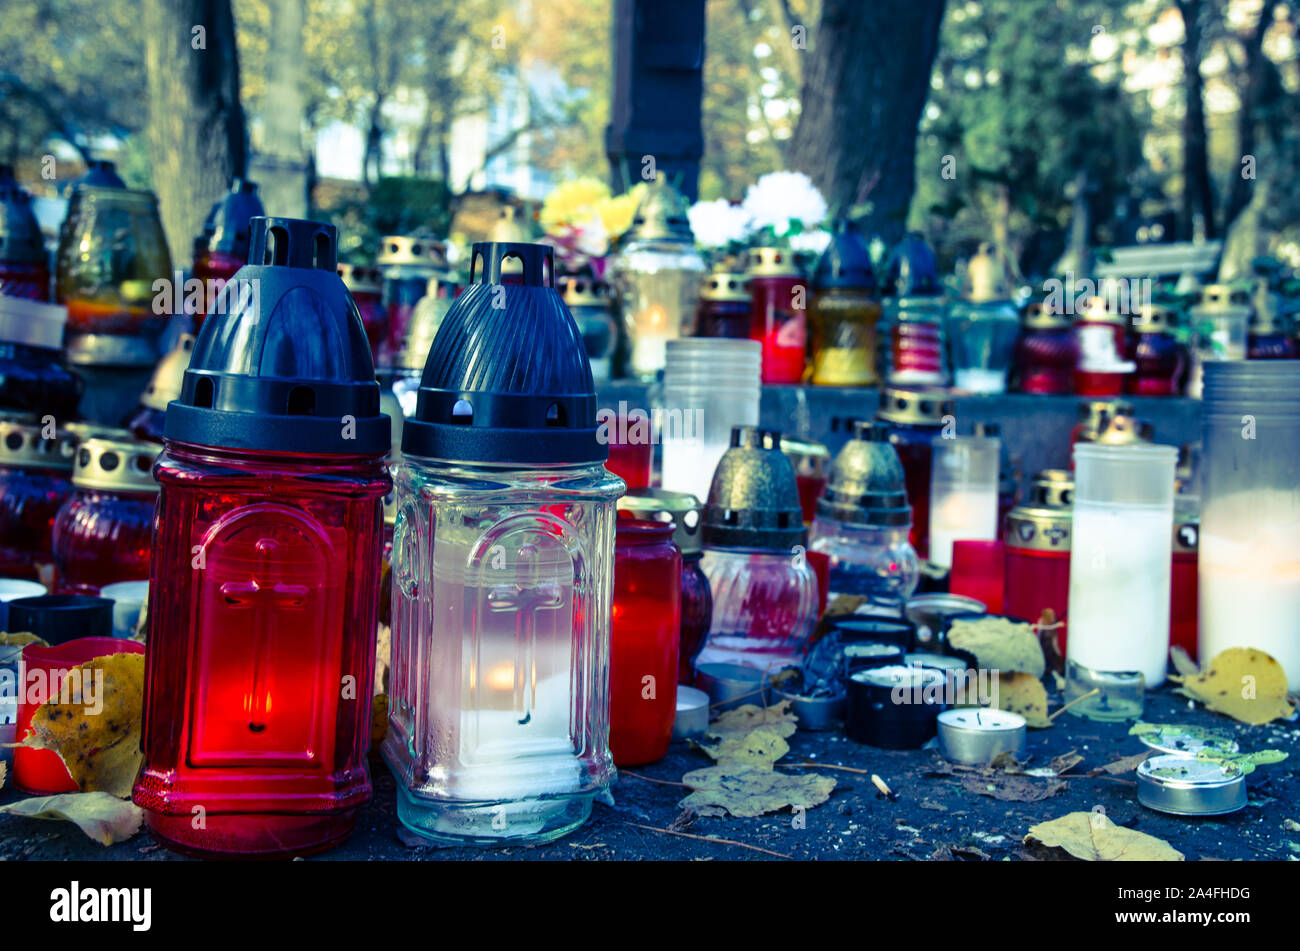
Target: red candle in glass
(978,571)
(1046,353)
(104,532)
(366,285)
(631,446)
(1160,358)
(1184,589)
(34,484)
(1036,542)
(915,418)
(778,313)
(41,772)
(644,641)
(1103,351)
(263,597)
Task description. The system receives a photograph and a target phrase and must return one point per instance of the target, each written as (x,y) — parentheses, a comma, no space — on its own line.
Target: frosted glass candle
(1121,559)
(963,493)
(1250,578)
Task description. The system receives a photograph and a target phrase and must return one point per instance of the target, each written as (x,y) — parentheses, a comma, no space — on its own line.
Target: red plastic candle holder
(978,571)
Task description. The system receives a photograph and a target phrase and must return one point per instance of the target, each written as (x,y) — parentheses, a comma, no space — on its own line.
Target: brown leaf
(1065,762)
(1024,694)
(1008,787)
(1125,765)
(103,817)
(1000,644)
(752,792)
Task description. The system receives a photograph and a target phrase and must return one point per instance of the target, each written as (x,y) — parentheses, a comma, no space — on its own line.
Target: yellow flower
(618,212)
(571,202)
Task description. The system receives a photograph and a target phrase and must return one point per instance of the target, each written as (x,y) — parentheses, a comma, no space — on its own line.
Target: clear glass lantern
(657,276)
(503,561)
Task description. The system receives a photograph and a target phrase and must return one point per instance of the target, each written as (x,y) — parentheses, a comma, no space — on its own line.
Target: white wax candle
(689,464)
(1120,560)
(1250,593)
(961,514)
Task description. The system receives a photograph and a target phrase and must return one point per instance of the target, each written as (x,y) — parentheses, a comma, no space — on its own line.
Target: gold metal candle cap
(1125,430)
(1040,316)
(1223,297)
(1043,522)
(21,446)
(1094,414)
(1154,319)
(922,407)
(725,286)
(1052,489)
(754,499)
(1095,310)
(582,291)
(361,278)
(808,458)
(114,465)
(663,505)
(771,262)
(165,384)
(424,250)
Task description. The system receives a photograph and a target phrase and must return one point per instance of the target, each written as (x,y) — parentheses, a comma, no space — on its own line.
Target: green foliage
(399,205)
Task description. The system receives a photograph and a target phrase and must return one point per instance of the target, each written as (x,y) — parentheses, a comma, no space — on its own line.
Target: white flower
(814,241)
(778,198)
(717,223)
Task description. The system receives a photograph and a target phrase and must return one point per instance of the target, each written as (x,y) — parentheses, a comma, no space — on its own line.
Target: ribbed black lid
(228,227)
(286,366)
(20,235)
(911,269)
(846,262)
(507,380)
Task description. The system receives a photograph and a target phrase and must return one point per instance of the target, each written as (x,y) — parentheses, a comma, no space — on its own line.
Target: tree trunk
(197,138)
(866,80)
(1256,96)
(1198,195)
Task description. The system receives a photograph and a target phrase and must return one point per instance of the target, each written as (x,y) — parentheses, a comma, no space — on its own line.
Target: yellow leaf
(20,640)
(103,817)
(97,732)
(1091,836)
(745,718)
(1024,694)
(1242,682)
(761,747)
(752,792)
(999,643)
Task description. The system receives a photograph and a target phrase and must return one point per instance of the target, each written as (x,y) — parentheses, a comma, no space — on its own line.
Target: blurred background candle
(915,418)
(811,461)
(365,284)
(1267,337)
(711,386)
(1046,352)
(35,476)
(657,274)
(779,299)
(644,641)
(408,263)
(913,349)
(963,493)
(724,305)
(24,265)
(983,327)
(1219,328)
(1036,545)
(844,314)
(591,305)
(1120,563)
(1250,511)
(222,248)
(1159,358)
(1103,349)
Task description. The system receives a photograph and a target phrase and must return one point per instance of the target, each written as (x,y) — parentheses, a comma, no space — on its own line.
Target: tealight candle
(894,708)
(978,736)
(692,713)
(1184,786)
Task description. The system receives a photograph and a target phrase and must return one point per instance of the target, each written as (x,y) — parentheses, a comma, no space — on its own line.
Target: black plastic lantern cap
(911,270)
(229,224)
(845,263)
(282,362)
(20,235)
(100,173)
(507,380)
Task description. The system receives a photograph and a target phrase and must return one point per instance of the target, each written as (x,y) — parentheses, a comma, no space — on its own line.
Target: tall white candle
(1120,561)
(959,515)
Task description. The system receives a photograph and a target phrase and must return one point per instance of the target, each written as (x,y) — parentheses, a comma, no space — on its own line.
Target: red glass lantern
(1160,358)
(34,484)
(262,615)
(1184,587)
(778,313)
(631,446)
(644,639)
(724,306)
(104,532)
(1037,547)
(915,418)
(684,511)
(222,249)
(1046,353)
(1103,349)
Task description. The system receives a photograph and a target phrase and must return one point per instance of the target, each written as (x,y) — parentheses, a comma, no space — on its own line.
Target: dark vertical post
(658,88)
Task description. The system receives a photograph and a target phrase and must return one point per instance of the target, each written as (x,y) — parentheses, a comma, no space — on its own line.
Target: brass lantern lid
(1040,316)
(361,278)
(1044,522)
(661,216)
(22,447)
(1096,311)
(807,457)
(915,406)
(1223,297)
(725,286)
(866,481)
(771,262)
(1125,430)
(662,505)
(116,465)
(754,499)
(1094,413)
(412,249)
(986,278)
(165,385)
(579,290)
(1154,319)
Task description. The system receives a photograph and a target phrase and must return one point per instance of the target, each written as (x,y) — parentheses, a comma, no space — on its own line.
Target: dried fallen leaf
(749,792)
(1120,766)
(1091,836)
(20,639)
(1024,694)
(745,718)
(760,747)
(97,732)
(1065,762)
(378,718)
(999,643)
(4,772)
(1183,662)
(1242,682)
(103,817)
(1011,787)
